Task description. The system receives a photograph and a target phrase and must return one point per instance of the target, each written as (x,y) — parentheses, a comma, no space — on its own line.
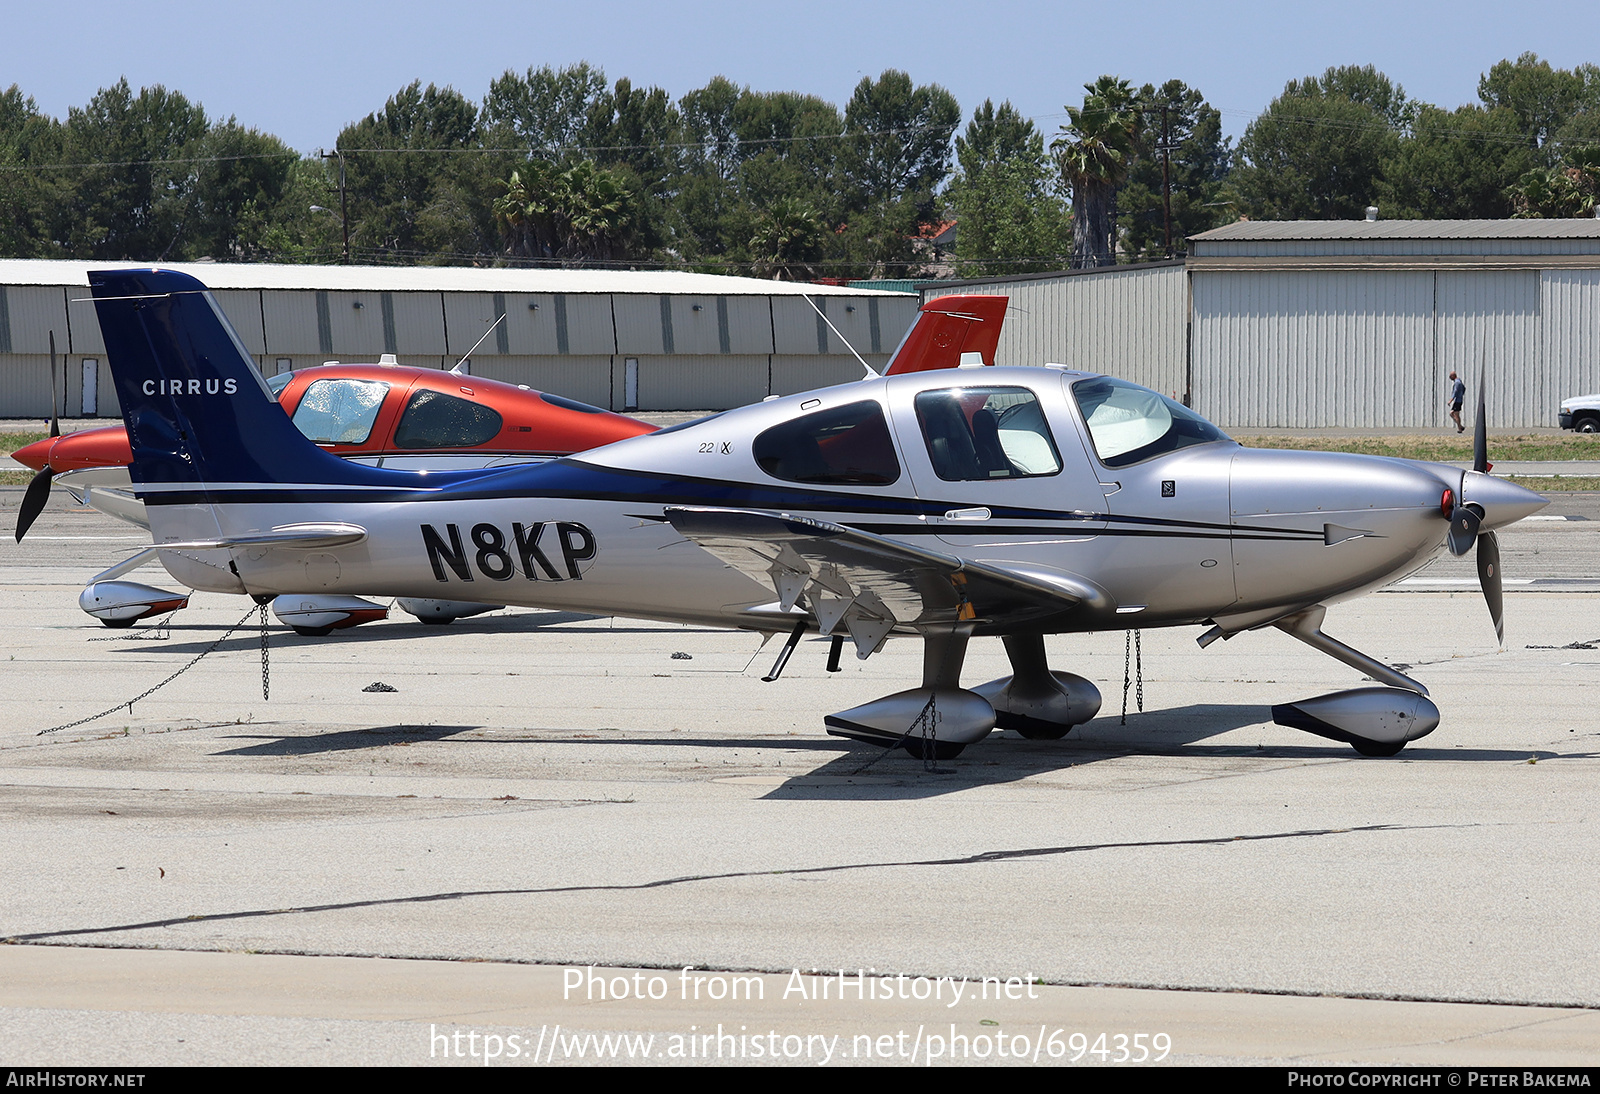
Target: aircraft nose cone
(1503,502)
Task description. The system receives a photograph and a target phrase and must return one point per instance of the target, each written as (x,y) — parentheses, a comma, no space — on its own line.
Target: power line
(707,146)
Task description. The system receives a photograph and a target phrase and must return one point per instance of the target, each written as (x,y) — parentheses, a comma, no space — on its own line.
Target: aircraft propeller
(1467,518)
(38,491)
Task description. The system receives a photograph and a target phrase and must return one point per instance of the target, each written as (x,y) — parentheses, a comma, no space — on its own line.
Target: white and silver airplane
(1016,502)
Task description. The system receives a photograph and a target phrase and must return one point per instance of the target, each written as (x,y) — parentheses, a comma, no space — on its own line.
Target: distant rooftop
(1587,228)
(221,275)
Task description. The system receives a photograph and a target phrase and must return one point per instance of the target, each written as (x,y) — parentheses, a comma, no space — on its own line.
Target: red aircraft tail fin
(947,327)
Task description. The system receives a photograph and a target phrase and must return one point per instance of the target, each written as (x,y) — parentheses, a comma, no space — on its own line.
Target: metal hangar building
(623,340)
(1329,324)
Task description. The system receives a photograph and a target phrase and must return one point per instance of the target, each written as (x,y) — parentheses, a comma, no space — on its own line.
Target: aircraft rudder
(195,405)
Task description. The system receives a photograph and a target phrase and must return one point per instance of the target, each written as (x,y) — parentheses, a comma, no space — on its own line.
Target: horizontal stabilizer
(306,536)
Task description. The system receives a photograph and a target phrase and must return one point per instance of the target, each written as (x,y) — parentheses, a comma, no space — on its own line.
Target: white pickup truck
(1582,413)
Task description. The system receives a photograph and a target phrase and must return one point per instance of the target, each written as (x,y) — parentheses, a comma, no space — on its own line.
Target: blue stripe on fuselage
(574,478)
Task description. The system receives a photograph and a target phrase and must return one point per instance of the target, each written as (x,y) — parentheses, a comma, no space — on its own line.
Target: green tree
(1455,165)
(1095,150)
(581,214)
(789,240)
(30,144)
(711,213)
(1541,98)
(1569,190)
(299,226)
(895,155)
(789,146)
(417,187)
(1316,152)
(546,109)
(133,195)
(635,133)
(1008,218)
(240,172)
(1196,165)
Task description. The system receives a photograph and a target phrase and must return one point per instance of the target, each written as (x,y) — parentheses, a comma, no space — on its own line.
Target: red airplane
(387,410)
(398,415)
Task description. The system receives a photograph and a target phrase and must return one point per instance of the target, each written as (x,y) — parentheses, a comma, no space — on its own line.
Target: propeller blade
(1464,524)
(1489,578)
(1480,431)
(33,500)
(55,417)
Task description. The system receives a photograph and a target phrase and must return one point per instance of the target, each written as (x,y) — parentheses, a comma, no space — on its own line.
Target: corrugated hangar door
(1569,343)
(1489,320)
(1293,350)
(717,382)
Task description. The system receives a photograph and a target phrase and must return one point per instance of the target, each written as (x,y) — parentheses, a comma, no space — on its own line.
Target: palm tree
(1095,150)
(1571,189)
(526,212)
(582,213)
(597,213)
(789,236)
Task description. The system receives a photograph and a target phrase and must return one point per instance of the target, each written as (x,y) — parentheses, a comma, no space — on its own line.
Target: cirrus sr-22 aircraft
(1010,502)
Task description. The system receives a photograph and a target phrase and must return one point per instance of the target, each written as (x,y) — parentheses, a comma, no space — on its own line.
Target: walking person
(1458,395)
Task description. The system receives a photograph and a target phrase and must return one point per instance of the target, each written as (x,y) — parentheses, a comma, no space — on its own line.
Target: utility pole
(344,209)
(1166,179)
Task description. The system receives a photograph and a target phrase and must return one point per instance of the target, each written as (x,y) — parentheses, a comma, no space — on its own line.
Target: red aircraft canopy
(511,420)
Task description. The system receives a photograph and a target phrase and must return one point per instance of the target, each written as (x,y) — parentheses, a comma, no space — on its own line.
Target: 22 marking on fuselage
(497,555)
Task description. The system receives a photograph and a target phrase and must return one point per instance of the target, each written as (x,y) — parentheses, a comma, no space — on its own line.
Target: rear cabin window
(978,433)
(847,445)
(433,419)
(340,411)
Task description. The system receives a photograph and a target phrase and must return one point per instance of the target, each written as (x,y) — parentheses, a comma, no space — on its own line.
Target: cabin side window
(340,411)
(433,419)
(979,433)
(842,446)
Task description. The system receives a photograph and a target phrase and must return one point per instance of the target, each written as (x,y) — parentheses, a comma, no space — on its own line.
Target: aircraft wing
(873,584)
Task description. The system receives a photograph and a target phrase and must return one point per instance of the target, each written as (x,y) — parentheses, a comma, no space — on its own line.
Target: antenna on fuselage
(497,320)
(872,373)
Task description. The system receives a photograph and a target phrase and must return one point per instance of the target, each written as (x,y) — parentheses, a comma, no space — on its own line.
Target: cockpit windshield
(340,411)
(1129,423)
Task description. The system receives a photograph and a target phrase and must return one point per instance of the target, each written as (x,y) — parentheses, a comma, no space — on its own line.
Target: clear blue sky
(303,70)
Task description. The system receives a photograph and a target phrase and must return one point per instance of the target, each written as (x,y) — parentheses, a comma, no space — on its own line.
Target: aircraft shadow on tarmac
(347,740)
(858,771)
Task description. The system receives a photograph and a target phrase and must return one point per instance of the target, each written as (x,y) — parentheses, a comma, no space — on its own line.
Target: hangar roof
(1397,244)
(1587,228)
(221,275)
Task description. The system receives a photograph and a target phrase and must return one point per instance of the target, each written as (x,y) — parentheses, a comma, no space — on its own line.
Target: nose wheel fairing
(1377,721)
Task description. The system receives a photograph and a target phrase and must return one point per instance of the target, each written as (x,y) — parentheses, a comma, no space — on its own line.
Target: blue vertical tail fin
(196,407)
